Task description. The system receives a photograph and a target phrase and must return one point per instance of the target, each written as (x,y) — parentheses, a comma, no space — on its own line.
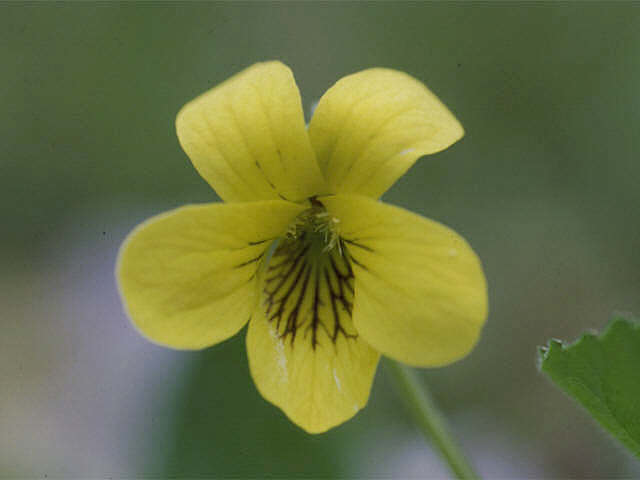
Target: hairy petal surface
(248,139)
(420,293)
(370,127)
(304,353)
(188,277)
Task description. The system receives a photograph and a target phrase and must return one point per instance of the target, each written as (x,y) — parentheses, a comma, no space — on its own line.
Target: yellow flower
(327,277)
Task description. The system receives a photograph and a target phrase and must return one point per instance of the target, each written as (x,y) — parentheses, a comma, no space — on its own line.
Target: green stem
(431,422)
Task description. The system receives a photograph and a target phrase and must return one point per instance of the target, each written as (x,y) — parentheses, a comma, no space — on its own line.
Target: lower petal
(420,293)
(304,353)
(188,277)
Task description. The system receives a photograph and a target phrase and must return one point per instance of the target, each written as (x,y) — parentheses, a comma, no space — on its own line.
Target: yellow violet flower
(327,277)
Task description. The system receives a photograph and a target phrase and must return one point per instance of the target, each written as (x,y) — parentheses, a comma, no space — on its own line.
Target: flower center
(316,227)
(308,283)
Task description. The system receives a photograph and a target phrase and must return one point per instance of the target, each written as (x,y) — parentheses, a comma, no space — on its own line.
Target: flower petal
(370,127)
(248,139)
(420,293)
(304,354)
(188,277)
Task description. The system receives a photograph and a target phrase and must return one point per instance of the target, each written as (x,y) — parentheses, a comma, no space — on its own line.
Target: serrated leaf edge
(553,344)
(545,350)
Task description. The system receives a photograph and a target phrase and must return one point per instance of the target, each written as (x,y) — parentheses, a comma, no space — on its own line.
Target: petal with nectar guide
(420,293)
(304,353)
(188,277)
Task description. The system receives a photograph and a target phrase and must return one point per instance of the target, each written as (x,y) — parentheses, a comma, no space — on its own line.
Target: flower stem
(430,421)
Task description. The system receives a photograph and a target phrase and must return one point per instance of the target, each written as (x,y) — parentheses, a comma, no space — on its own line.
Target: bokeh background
(545,186)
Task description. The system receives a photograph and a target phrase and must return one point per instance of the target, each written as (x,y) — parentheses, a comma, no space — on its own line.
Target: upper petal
(188,277)
(420,293)
(247,137)
(370,127)
(304,354)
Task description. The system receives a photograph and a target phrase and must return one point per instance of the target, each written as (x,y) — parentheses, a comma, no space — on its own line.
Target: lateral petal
(304,353)
(370,127)
(247,137)
(188,277)
(420,293)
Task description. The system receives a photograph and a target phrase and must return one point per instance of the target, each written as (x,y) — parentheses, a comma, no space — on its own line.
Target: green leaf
(603,374)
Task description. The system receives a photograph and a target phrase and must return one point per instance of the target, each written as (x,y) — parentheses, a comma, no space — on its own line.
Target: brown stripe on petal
(308,290)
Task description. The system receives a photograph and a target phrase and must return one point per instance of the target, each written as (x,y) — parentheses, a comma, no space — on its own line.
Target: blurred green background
(544,186)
